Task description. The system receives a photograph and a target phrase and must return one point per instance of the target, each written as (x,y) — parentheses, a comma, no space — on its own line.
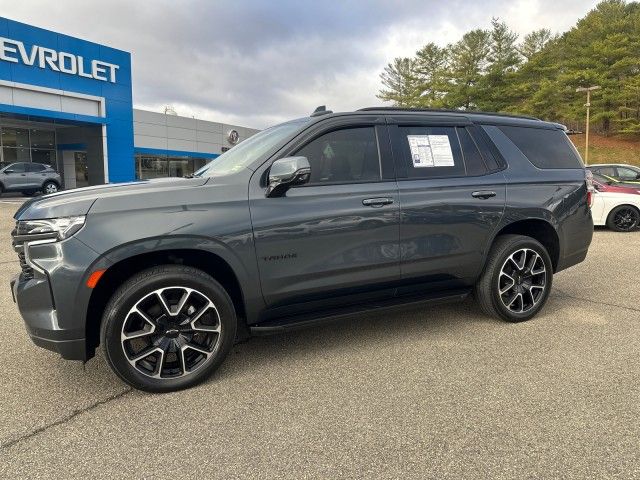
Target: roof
(472,116)
(438,110)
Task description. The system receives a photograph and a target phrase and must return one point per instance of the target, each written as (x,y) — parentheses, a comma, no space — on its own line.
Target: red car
(604,184)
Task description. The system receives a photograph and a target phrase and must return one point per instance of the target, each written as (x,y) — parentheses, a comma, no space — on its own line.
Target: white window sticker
(441,150)
(430,151)
(421,155)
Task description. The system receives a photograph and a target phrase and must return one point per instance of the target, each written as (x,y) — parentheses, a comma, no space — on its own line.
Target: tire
(531,286)
(158,350)
(50,187)
(623,218)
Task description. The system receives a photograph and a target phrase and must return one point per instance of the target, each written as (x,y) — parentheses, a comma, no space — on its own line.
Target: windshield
(244,153)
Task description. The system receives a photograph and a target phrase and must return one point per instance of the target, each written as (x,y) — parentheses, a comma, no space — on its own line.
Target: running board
(309,320)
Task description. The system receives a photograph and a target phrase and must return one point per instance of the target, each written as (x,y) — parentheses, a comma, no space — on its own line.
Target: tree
(431,69)
(400,83)
(534,42)
(489,70)
(468,64)
(494,89)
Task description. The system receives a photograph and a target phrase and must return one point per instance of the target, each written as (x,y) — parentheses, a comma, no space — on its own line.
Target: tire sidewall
(44,187)
(611,223)
(131,292)
(512,247)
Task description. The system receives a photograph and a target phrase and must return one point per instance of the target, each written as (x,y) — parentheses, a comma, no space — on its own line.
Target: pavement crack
(64,420)
(596,301)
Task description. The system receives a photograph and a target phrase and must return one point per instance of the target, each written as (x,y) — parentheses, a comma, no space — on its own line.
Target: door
(452,198)
(36,175)
(338,235)
(81,169)
(15,176)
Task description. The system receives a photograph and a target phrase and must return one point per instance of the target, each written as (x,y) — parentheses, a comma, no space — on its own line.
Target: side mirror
(637,176)
(286,173)
(9,171)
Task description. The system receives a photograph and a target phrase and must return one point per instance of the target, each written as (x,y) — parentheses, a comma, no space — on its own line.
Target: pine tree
(400,83)
(468,64)
(431,68)
(534,42)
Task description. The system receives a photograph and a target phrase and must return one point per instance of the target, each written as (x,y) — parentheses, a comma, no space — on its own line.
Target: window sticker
(430,151)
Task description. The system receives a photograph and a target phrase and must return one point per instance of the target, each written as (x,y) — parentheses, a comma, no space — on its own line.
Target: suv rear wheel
(168,328)
(516,280)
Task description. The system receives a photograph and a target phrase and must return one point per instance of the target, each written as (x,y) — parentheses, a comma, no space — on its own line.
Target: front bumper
(52,295)
(36,306)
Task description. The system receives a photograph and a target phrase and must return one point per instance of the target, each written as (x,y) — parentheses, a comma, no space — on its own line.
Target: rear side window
(343,156)
(430,152)
(610,171)
(544,148)
(36,167)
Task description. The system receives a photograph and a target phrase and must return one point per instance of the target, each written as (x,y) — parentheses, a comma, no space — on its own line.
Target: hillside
(609,149)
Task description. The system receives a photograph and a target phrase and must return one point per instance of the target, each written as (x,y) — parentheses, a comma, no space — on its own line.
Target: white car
(618,211)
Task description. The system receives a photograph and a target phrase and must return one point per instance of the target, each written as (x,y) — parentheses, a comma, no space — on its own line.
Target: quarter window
(343,156)
(430,152)
(544,148)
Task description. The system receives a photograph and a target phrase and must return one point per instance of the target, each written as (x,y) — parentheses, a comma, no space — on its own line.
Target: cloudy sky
(256,63)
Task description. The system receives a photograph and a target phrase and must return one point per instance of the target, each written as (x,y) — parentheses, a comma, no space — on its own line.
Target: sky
(257,63)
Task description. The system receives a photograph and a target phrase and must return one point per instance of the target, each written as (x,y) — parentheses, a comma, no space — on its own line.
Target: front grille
(18,246)
(27,271)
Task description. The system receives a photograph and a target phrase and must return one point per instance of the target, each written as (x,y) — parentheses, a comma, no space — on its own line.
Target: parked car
(306,221)
(617,171)
(618,211)
(29,178)
(606,184)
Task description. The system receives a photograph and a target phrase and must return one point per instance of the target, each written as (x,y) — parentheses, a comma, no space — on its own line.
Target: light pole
(588,104)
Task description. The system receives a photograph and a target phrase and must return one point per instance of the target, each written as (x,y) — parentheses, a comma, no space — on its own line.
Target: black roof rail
(443,110)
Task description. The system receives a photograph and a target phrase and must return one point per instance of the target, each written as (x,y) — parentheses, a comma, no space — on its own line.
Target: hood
(78,201)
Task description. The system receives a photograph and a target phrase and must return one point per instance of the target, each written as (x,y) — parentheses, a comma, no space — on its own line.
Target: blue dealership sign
(55,63)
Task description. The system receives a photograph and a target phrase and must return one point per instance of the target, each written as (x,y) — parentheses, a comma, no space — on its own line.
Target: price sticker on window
(430,151)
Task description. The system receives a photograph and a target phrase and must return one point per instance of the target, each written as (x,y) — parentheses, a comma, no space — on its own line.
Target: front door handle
(377,202)
(483,194)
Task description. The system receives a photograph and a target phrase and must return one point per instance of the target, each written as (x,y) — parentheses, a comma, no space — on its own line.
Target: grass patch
(609,149)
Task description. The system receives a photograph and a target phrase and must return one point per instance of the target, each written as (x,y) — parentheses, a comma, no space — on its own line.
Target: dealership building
(67,102)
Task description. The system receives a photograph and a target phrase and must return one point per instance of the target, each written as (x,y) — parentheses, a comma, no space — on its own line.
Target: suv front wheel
(168,328)
(516,280)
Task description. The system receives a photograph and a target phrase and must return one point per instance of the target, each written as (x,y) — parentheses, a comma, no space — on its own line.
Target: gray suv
(29,178)
(321,217)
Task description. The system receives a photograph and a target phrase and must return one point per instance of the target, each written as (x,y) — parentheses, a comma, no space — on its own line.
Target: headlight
(60,228)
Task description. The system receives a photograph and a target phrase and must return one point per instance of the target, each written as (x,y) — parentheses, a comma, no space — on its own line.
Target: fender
(248,279)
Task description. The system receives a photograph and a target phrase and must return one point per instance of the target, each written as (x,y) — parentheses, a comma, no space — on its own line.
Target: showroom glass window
(161,166)
(28,145)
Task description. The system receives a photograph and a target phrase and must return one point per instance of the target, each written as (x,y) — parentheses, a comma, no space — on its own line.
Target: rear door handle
(377,202)
(483,194)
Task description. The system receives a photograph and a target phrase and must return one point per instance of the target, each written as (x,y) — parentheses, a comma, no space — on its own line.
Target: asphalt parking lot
(439,393)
